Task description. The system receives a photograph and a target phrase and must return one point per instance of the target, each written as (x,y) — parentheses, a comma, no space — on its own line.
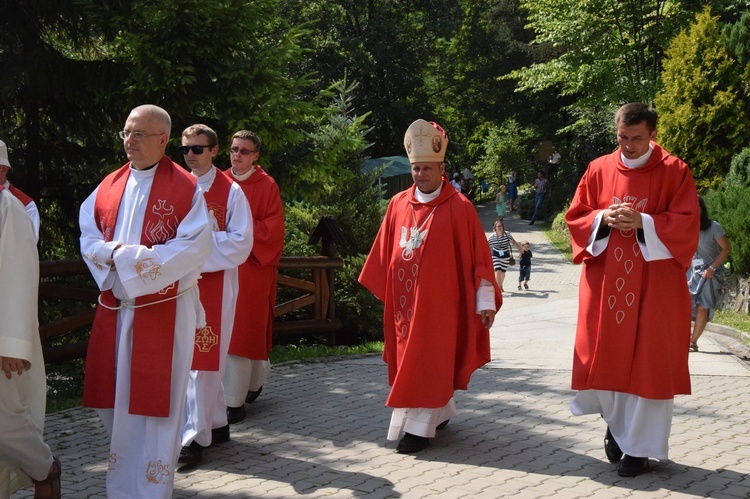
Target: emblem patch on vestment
(147,268)
(206,339)
(166,228)
(157,472)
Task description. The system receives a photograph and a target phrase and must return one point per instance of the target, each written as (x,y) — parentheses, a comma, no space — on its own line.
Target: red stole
(206,351)
(20,195)
(169,200)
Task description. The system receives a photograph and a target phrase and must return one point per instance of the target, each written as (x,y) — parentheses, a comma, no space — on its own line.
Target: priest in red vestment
(431,266)
(634,225)
(247,363)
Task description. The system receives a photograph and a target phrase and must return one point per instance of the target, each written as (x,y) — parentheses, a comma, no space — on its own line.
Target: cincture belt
(129,304)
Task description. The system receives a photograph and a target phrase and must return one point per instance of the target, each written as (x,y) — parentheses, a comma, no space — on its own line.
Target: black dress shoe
(632,466)
(611,448)
(192,454)
(411,443)
(235,414)
(442,425)
(220,435)
(252,395)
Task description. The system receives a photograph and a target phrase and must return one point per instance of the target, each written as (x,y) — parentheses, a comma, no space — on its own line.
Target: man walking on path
(25,458)
(541,188)
(247,364)
(232,231)
(634,223)
(431,266)
(145,237)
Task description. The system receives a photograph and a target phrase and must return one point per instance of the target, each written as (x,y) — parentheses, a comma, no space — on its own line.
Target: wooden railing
(317,293)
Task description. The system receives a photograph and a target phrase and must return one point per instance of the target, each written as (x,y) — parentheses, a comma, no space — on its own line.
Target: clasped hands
(622,216)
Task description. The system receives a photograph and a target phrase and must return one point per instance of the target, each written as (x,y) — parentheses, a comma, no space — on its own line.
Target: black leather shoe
(411,443)
(192,454)
(235,414)
(611,448)
(442,425)
(220,435)
(252,395)
(632,466)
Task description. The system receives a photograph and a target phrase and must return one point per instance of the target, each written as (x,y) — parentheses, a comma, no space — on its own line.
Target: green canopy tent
(397,174)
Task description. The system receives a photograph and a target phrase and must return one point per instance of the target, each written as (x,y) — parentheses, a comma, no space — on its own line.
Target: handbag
(512,260)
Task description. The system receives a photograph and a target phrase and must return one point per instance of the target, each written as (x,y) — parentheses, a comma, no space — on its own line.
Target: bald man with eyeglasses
(232,231)
(145,236)
(248,366)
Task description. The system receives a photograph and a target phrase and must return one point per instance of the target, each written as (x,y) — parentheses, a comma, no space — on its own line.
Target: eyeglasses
(196,149)
(243,151)
(124,134)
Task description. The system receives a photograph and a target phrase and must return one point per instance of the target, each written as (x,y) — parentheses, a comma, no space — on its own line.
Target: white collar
(637,162)
(245,175)
(426,198)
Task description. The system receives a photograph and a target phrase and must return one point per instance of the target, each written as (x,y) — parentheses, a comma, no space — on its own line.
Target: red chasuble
(253,322)
(153,325)
(211,284)
(20,195)
(426,265)
(634,315)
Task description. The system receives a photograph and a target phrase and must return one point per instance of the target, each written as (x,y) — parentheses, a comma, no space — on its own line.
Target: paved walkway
(319,429)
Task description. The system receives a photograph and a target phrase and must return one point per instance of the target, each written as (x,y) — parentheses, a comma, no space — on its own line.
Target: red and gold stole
(20,195)
(169,202)
(206,351)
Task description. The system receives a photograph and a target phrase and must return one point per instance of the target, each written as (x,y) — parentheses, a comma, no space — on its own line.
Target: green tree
(54,91)
(507,147)
(702,116)
(728,204)
(604,52)
(350,197)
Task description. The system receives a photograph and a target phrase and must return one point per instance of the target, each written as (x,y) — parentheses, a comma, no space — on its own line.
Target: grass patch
(560,241)
(732,319)
(287,353)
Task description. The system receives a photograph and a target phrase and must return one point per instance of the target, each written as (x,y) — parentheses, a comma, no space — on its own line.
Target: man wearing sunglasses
(145,237)
(232,226)
(247,363)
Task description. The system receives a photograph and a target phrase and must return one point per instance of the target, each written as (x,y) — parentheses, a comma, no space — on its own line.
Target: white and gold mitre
(425,141)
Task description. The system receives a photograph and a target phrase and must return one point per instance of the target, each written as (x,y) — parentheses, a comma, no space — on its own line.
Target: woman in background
(706,274)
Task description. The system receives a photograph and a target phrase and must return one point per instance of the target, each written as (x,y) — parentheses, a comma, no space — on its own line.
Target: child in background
(501,201)
(525,265)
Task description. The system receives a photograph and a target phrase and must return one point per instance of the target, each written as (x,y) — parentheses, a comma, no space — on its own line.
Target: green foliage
(702,117)
(352,198)
(728,206)
(605,52)
(507,147)
(738,39)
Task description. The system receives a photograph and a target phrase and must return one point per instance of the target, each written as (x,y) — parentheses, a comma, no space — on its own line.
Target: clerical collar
(143,169)
(637,162)
(245,175)
(426,198)
(207,179)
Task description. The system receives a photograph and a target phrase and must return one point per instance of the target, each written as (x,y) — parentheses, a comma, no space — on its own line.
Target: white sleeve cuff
(485,296)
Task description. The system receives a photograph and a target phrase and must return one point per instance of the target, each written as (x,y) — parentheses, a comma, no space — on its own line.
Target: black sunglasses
(196,149)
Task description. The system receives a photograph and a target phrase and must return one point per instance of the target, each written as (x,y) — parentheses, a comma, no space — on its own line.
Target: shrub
(728,206)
